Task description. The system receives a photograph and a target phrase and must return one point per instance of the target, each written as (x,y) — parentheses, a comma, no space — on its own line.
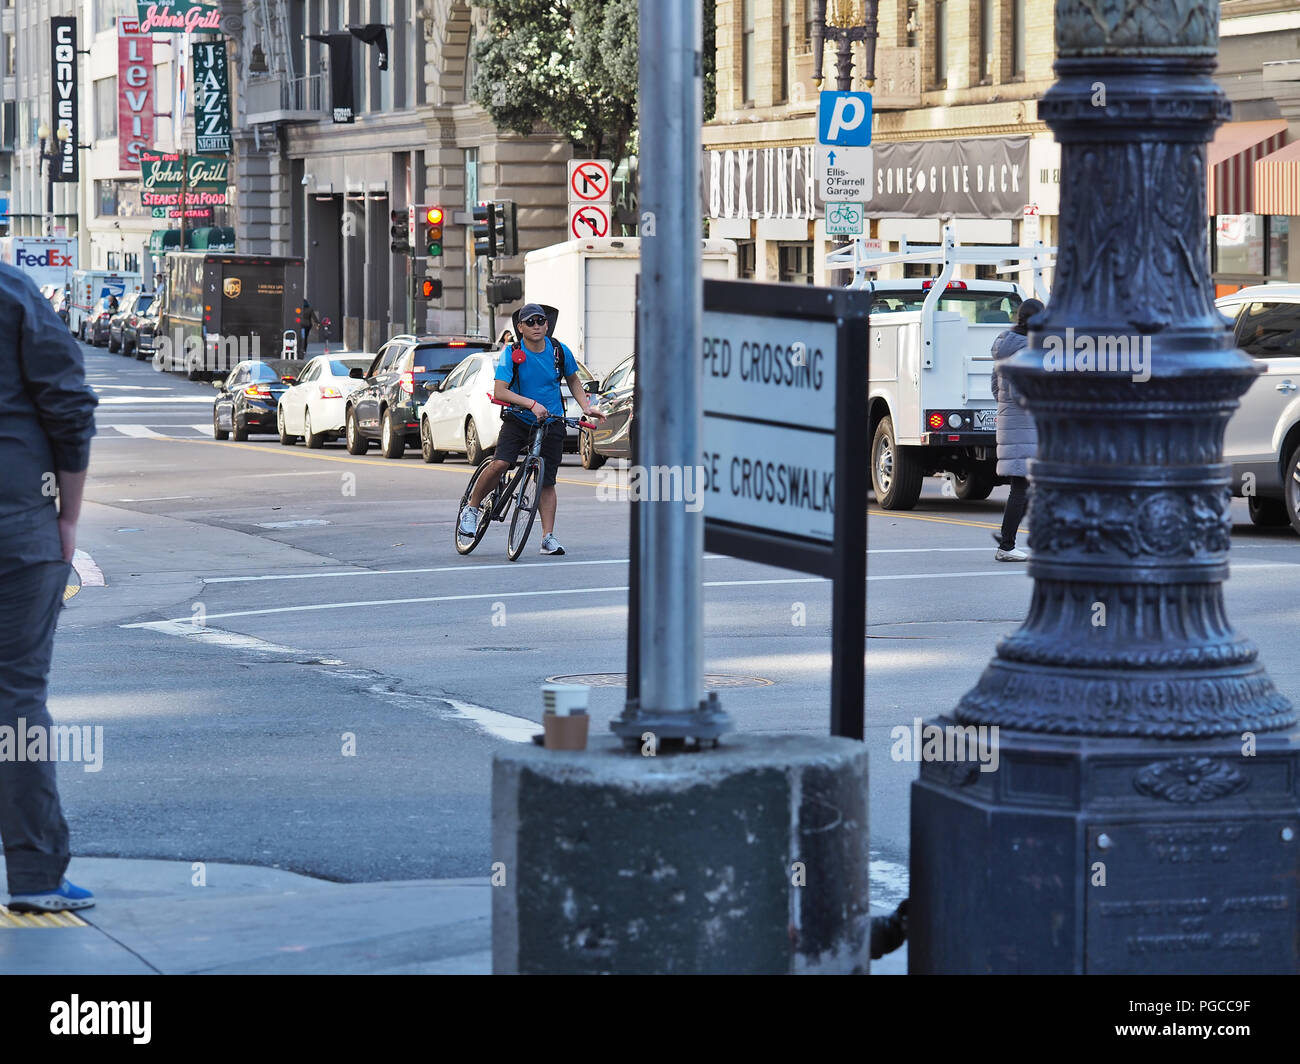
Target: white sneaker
(551,545)
(1015,554)
(468,521)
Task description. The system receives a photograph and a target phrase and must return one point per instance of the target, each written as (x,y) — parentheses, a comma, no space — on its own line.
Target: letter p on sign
(844,118)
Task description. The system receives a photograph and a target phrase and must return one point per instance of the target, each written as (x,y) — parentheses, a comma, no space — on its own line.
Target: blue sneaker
(68,896)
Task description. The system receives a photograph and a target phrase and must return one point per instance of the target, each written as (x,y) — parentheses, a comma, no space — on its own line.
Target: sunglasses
(535,320)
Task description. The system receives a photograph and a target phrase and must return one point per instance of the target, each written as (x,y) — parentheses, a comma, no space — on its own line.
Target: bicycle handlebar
(572,422)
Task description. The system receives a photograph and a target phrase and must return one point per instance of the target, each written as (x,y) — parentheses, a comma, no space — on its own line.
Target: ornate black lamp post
(847,21)
(1143,816)
(49,158)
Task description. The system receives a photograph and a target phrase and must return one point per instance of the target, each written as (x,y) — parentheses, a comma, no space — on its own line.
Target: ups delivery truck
(219,309)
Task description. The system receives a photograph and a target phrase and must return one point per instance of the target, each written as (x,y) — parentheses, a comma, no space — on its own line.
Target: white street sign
(590,181)
(843,219)
(844,173)
(588,219)
(768,394)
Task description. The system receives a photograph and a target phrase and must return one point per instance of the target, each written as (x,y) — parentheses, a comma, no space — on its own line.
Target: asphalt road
(294,668)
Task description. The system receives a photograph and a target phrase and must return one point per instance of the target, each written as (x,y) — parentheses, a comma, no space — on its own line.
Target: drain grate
(713,681)
(15,920)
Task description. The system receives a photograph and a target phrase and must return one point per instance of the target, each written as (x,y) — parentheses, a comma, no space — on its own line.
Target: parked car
(248,396)
(1262,441)
(314,408)
(460,411)
(121,326)
(610,438)
(59,301)
(397,383)
(96,323)
(145,328)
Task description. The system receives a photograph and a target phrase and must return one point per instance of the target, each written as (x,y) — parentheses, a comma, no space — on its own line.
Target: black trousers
(1017,500)
(31,819)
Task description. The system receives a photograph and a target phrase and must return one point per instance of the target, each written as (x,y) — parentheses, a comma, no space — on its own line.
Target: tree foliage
(571,65)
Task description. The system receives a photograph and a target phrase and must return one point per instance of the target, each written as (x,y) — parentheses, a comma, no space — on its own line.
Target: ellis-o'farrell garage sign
(64,107)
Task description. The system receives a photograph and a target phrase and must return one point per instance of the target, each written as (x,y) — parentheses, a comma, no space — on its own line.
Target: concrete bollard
(748,858)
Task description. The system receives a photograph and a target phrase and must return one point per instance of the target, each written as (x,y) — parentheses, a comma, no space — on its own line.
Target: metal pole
(669,320)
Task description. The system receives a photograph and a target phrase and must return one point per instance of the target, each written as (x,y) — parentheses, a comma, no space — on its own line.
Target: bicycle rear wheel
(526,499)
(464,543)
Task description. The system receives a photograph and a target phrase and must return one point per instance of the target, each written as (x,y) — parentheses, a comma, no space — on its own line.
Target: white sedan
(460,417)
(313,408)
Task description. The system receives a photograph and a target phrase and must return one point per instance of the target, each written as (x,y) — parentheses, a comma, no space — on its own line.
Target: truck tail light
(937,419)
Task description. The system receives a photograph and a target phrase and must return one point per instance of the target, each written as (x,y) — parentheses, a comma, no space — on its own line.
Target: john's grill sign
(163,173)
(179,16)
(63,54)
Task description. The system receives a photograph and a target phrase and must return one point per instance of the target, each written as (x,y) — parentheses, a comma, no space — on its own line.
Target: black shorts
(514,439)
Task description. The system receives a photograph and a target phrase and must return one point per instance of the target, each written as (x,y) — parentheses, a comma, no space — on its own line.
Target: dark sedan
(612,437)
(144,329)
(248,396)
(122,326)
(98,319)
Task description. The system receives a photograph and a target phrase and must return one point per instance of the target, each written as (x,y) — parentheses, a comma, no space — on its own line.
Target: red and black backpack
(518,355)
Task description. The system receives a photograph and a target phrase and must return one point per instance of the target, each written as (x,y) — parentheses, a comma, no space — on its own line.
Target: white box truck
(88,286)
(593,285)
(45,259)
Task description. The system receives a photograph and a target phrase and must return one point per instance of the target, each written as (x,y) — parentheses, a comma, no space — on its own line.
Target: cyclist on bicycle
(536,381)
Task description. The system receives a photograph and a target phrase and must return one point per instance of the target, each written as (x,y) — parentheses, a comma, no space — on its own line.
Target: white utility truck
(930,402)
(45,259)
(88,287)
(592,283)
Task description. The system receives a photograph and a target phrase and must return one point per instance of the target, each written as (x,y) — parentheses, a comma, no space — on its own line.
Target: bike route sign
(844,219)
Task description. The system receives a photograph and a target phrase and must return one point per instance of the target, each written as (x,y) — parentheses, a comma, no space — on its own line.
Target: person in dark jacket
(1017,436)
(46,422)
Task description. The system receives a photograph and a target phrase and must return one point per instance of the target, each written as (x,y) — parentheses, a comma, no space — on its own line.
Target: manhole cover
(713,681)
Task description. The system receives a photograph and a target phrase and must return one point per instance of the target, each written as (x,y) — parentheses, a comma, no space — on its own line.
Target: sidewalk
(149,918)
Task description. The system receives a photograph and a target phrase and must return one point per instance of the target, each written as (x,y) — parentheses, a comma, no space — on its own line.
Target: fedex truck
(45,259)
(592,282)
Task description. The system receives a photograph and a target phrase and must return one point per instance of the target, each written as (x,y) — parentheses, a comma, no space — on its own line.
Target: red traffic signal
(433,216)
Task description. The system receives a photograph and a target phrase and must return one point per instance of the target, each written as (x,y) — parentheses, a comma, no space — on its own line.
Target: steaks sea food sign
(768,394)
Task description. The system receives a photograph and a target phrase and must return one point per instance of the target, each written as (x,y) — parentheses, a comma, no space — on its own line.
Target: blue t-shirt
(536,378)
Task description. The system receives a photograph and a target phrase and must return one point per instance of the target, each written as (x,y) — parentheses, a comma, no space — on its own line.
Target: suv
(1262,442)
(399,380)
(122,335)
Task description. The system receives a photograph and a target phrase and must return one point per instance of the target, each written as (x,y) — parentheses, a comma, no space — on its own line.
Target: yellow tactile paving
(11,920)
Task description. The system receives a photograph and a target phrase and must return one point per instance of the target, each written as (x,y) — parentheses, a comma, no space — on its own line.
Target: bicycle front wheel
(526,499)
(466,543)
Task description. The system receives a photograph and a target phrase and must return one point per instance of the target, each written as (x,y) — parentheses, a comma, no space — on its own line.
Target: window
(1270,330)
(941,43)
(1278,233)
(106,108)
(746,259)
(912,24)
(747,51)
(986,40)
(795,263)
(313,371)
(10,55)
(1239,244)
(786,5)
(110,260)
(1018,38)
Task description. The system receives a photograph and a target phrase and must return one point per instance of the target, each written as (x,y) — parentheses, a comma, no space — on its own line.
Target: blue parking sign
(844,118)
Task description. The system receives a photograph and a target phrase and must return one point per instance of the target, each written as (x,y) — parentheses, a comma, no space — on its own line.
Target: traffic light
(398,232)
(433,234)
(485,231)
(428,288)
(506,230)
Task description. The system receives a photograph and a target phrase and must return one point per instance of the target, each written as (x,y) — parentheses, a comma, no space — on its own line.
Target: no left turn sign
(589,180)
(588,220)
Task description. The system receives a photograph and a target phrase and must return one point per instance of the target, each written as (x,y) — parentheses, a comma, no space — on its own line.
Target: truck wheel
(895,472)
(1291,488)
(974,485)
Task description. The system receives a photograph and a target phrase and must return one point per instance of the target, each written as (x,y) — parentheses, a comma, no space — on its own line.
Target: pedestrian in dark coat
(1017,436)
(46,422)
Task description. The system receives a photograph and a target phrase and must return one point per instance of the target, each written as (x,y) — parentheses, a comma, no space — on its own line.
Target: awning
(1277,182)
(1230,163)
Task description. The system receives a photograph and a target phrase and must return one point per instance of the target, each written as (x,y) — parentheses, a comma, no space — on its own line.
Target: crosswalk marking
(151,432)
(142,432)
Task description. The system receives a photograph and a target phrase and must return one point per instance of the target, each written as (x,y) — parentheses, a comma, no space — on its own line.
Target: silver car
(1262,442)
